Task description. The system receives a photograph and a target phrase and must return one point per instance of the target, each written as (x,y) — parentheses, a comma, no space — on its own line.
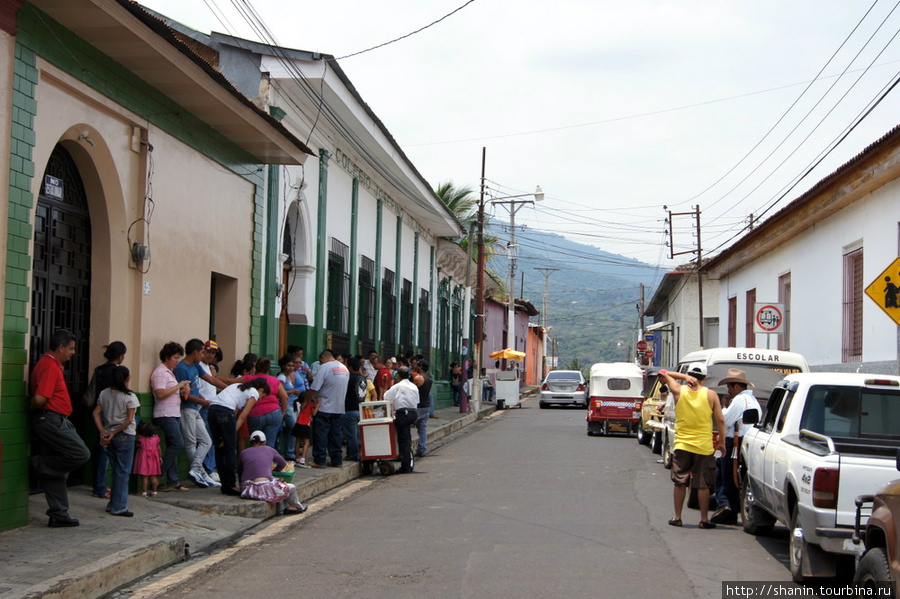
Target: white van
(764,367)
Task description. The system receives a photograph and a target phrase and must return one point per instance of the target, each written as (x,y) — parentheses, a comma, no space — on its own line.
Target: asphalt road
(524,504)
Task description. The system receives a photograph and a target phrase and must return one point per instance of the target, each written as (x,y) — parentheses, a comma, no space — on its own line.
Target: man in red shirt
(384,378)
(60,449)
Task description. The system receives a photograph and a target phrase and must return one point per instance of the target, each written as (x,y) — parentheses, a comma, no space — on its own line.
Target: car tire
(542,405)
(656,442)
(753,519)
(666,451)
(873,569)
(796,546)
(643,436)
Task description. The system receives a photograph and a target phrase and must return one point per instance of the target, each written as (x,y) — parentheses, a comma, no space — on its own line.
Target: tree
(464,205)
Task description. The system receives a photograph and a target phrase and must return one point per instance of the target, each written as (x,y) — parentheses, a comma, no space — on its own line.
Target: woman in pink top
(167,410)
(267,414)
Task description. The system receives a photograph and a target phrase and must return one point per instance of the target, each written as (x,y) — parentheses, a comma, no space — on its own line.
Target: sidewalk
(106,552)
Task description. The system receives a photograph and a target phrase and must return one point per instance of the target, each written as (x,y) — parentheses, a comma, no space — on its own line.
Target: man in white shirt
(405,396)
(742,399)
(329,388)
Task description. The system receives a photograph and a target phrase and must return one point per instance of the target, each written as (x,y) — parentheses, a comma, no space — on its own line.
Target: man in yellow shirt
(693,458)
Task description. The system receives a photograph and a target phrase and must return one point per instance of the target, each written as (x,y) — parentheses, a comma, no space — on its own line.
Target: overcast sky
(614,108)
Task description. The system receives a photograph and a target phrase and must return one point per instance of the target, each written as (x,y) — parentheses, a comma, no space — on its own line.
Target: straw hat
(735,375)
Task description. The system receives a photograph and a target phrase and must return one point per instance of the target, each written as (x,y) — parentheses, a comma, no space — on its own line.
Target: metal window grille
(388,307)
(338,288)
(366,317)
(784,298)
(750,311)
(853,306)
(406,314)
(424,320)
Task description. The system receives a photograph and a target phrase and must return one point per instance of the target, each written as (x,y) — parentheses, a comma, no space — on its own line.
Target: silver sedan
(564,387)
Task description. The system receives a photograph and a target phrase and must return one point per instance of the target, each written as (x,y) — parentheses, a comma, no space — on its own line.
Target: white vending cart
(507,389)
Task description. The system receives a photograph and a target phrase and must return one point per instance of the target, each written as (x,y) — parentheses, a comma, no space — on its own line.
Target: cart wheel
(412,462)
(606,428)
(367,468)
(385,468)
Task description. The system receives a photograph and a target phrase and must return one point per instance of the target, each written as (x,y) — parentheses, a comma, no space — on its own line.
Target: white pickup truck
(825,439)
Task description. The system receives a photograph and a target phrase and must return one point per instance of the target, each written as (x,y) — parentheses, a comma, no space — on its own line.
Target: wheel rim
(746,498)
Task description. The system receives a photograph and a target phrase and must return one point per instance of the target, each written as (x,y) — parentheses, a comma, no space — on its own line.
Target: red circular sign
(641,345)
(649,353)
(769,318)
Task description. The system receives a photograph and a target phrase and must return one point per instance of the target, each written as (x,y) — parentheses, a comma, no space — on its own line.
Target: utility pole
(698,251)
(479,290)
(546,272)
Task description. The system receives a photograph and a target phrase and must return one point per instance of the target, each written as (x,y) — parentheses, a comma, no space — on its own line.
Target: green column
(415,294)
(321,253)
(397,278)
(354,275)
(432,308)
(269,332)
(379,224)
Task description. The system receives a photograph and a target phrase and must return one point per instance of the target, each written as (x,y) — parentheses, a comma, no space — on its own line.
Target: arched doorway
(61,272)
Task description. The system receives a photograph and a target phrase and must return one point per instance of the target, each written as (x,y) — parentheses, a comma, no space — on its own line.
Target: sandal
(706,525)
(144,494)
(106,496)
(179,488)
(153,493)
(676,522)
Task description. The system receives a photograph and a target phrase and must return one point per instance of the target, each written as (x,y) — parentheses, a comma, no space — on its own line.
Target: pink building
(497,334)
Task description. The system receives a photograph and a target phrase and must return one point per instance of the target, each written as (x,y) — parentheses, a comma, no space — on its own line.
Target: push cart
(377,437)
(507,389)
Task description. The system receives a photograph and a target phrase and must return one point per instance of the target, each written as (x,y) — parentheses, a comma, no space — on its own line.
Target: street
(523,504)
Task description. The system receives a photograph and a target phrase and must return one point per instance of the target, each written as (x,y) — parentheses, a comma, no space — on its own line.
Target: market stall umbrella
(508,354)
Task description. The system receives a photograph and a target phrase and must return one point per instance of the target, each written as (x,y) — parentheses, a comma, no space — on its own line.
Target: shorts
(301,431)
(703,468)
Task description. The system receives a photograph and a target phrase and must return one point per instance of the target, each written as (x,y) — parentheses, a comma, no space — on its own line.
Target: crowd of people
(231,427)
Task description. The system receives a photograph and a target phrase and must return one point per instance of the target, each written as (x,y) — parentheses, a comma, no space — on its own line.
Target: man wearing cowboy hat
(742,399)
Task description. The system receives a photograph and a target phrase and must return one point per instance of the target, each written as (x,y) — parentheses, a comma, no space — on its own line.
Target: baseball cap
(697,369)
(211,345)
(258,436)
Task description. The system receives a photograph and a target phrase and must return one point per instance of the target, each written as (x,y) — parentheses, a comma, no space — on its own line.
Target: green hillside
(592,299)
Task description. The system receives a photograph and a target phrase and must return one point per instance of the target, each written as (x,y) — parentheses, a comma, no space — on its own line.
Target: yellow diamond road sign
(885,291)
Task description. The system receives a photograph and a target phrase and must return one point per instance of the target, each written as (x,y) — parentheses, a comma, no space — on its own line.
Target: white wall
(815,260)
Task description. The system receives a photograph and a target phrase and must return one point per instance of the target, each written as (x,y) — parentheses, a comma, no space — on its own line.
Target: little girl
(303,429)
(148,461)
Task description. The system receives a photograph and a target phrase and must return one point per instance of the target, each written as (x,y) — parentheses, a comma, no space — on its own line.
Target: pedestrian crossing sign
(885,291)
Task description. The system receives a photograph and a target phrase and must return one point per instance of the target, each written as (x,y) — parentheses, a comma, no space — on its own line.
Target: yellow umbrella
(508,354)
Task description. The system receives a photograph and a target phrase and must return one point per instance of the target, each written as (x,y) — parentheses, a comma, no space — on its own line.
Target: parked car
(563,387)
(764,368)
(615,398)
(825,439)
(880,536)
(650,426)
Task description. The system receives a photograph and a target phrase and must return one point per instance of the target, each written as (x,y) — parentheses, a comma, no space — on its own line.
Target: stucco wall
(815,261)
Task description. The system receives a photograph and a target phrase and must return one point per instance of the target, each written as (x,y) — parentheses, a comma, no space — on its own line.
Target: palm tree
(464,205)
(460,200)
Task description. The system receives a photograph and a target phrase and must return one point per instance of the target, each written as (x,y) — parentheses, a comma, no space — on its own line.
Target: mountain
(592,298)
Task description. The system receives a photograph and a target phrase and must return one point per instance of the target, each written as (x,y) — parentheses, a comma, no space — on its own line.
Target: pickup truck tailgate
(861,475)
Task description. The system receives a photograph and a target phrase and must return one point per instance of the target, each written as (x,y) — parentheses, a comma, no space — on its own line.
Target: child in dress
(148,460)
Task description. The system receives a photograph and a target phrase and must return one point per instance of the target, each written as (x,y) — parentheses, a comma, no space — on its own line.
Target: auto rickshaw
(614,401)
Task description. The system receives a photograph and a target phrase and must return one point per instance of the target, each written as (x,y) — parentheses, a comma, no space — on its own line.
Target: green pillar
(269,332)
(354,275)
(398,255)
(415,293)
(432,308)
(379,233)
(321,253)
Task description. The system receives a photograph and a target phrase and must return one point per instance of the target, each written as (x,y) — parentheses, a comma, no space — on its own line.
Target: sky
(616,109)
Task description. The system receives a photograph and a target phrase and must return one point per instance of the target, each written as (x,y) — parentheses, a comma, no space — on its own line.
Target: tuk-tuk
(614,402)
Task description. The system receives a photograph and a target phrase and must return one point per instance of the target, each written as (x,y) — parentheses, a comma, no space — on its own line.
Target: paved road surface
(524,504)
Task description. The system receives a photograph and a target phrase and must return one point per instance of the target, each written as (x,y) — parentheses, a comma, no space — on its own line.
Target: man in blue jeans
(424,382)
(330,387)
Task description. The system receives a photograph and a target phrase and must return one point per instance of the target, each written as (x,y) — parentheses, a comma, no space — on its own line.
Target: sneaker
(723,515)
(198,478)
(301,464)
(211,482)
(214,476)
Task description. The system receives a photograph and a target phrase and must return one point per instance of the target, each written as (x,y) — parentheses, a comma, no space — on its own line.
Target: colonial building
(816,257)
(350,248)
(675,310)
(135,200)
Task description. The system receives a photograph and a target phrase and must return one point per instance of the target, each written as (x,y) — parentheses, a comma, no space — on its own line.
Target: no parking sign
(769,318)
